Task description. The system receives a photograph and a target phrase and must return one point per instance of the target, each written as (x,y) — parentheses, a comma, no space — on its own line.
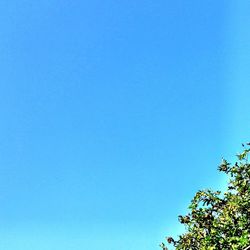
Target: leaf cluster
(216,220)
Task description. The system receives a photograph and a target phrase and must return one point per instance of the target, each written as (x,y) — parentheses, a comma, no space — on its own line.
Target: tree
(217,220)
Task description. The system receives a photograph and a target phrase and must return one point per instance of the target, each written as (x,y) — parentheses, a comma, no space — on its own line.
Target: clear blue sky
(113,113)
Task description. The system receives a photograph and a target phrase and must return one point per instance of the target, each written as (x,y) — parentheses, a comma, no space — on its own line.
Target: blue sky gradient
(113,114)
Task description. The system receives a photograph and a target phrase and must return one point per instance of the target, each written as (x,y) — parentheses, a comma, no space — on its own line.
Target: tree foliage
(217,220)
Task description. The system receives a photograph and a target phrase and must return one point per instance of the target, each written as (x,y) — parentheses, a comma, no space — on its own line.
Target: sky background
(113,114)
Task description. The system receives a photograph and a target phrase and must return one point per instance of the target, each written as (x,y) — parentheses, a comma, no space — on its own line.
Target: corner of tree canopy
(216,220)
